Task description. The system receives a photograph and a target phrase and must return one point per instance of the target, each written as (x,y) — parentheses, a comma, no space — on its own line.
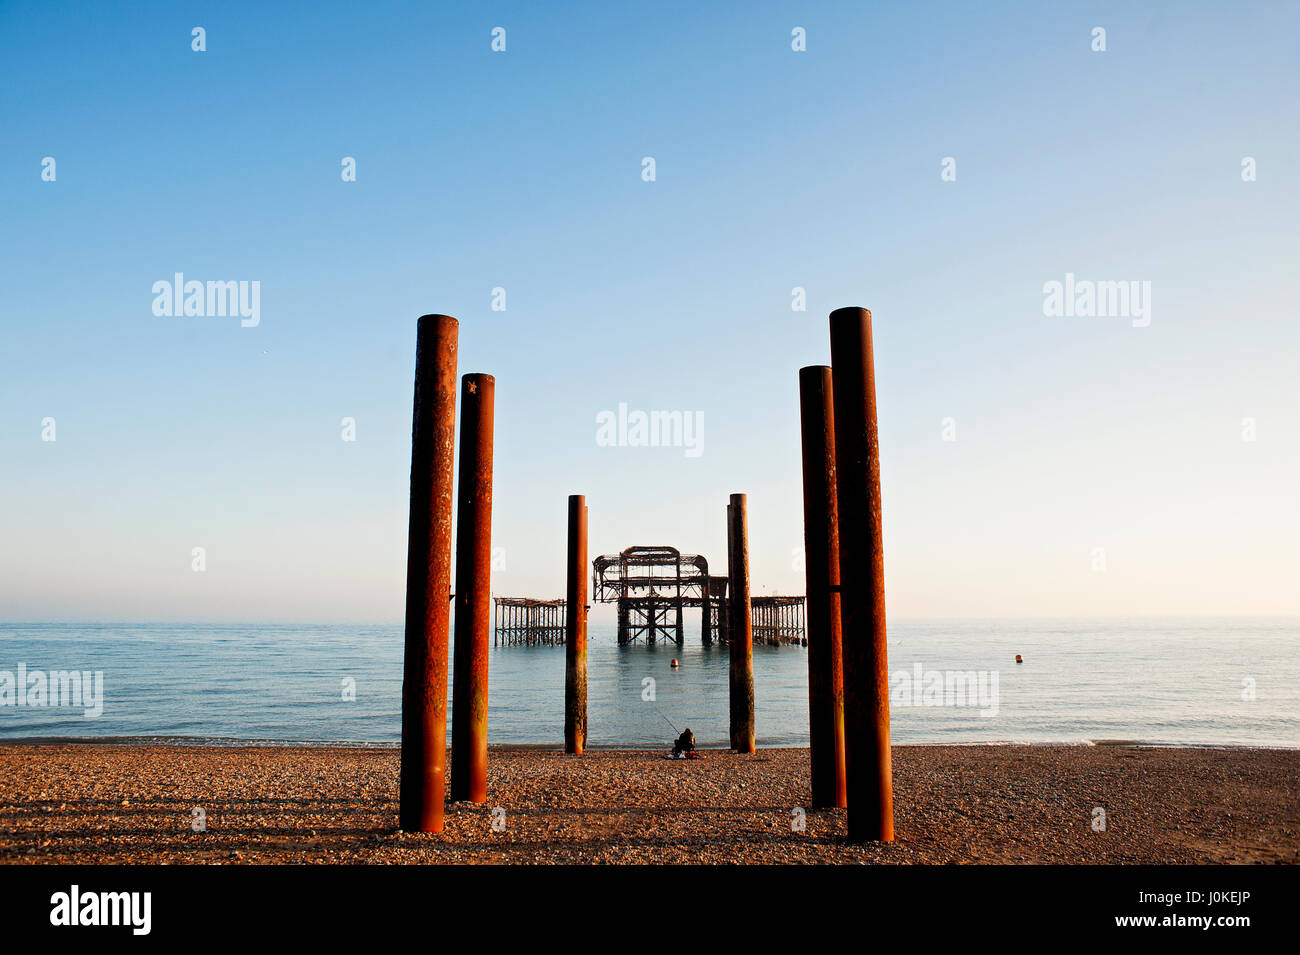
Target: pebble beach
(179,804)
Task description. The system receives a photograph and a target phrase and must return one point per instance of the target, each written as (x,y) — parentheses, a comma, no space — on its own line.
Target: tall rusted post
(428,578)
(821,535)
(575,630)
(469,698)
(740,659)
(731,590)
(862,579)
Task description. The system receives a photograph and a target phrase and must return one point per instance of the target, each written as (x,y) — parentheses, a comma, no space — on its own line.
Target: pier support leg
(469,698)
(428,578)
(862,579)
(575,630)
(822,566)
(740,662)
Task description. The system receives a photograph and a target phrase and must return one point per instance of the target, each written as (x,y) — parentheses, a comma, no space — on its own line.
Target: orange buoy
(674,663)
(1019,659)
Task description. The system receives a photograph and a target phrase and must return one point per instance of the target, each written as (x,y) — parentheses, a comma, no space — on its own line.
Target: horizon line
(397,623)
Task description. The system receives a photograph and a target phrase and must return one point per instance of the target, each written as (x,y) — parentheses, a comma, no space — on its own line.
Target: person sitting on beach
(684,745)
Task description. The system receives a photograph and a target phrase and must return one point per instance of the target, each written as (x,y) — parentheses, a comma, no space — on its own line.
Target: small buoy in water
(1019,659)
(674,663)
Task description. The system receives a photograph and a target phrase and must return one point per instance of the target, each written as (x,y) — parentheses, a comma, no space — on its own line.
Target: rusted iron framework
(523,621)
(777,620)
(716,614)
(652,586)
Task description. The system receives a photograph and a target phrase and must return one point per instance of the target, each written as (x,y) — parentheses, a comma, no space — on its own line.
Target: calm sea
(1181,682)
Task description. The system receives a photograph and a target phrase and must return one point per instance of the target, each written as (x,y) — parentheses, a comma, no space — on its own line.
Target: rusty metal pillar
(575,630)
(731,591)
(740,659)
(821,535)
(428,578)
(469,697)
(867,754)
(731,580)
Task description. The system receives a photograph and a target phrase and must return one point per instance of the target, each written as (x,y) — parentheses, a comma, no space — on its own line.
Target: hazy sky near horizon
(1171,444)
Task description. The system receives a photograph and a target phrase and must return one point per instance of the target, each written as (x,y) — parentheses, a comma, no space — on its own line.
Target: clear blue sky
(522,169)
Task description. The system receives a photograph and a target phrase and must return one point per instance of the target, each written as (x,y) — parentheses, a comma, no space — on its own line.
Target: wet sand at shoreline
(108,803)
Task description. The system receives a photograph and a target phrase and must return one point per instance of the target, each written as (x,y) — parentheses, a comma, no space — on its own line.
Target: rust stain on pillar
(740,651)
(822,566)
(469,699)
(862,579)
(575,630)
(428,577)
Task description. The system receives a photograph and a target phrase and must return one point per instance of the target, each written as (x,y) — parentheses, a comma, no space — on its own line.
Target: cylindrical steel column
(469,698)
(740,661)
(575,630)
(428,577)
(862,579)
(821,534)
